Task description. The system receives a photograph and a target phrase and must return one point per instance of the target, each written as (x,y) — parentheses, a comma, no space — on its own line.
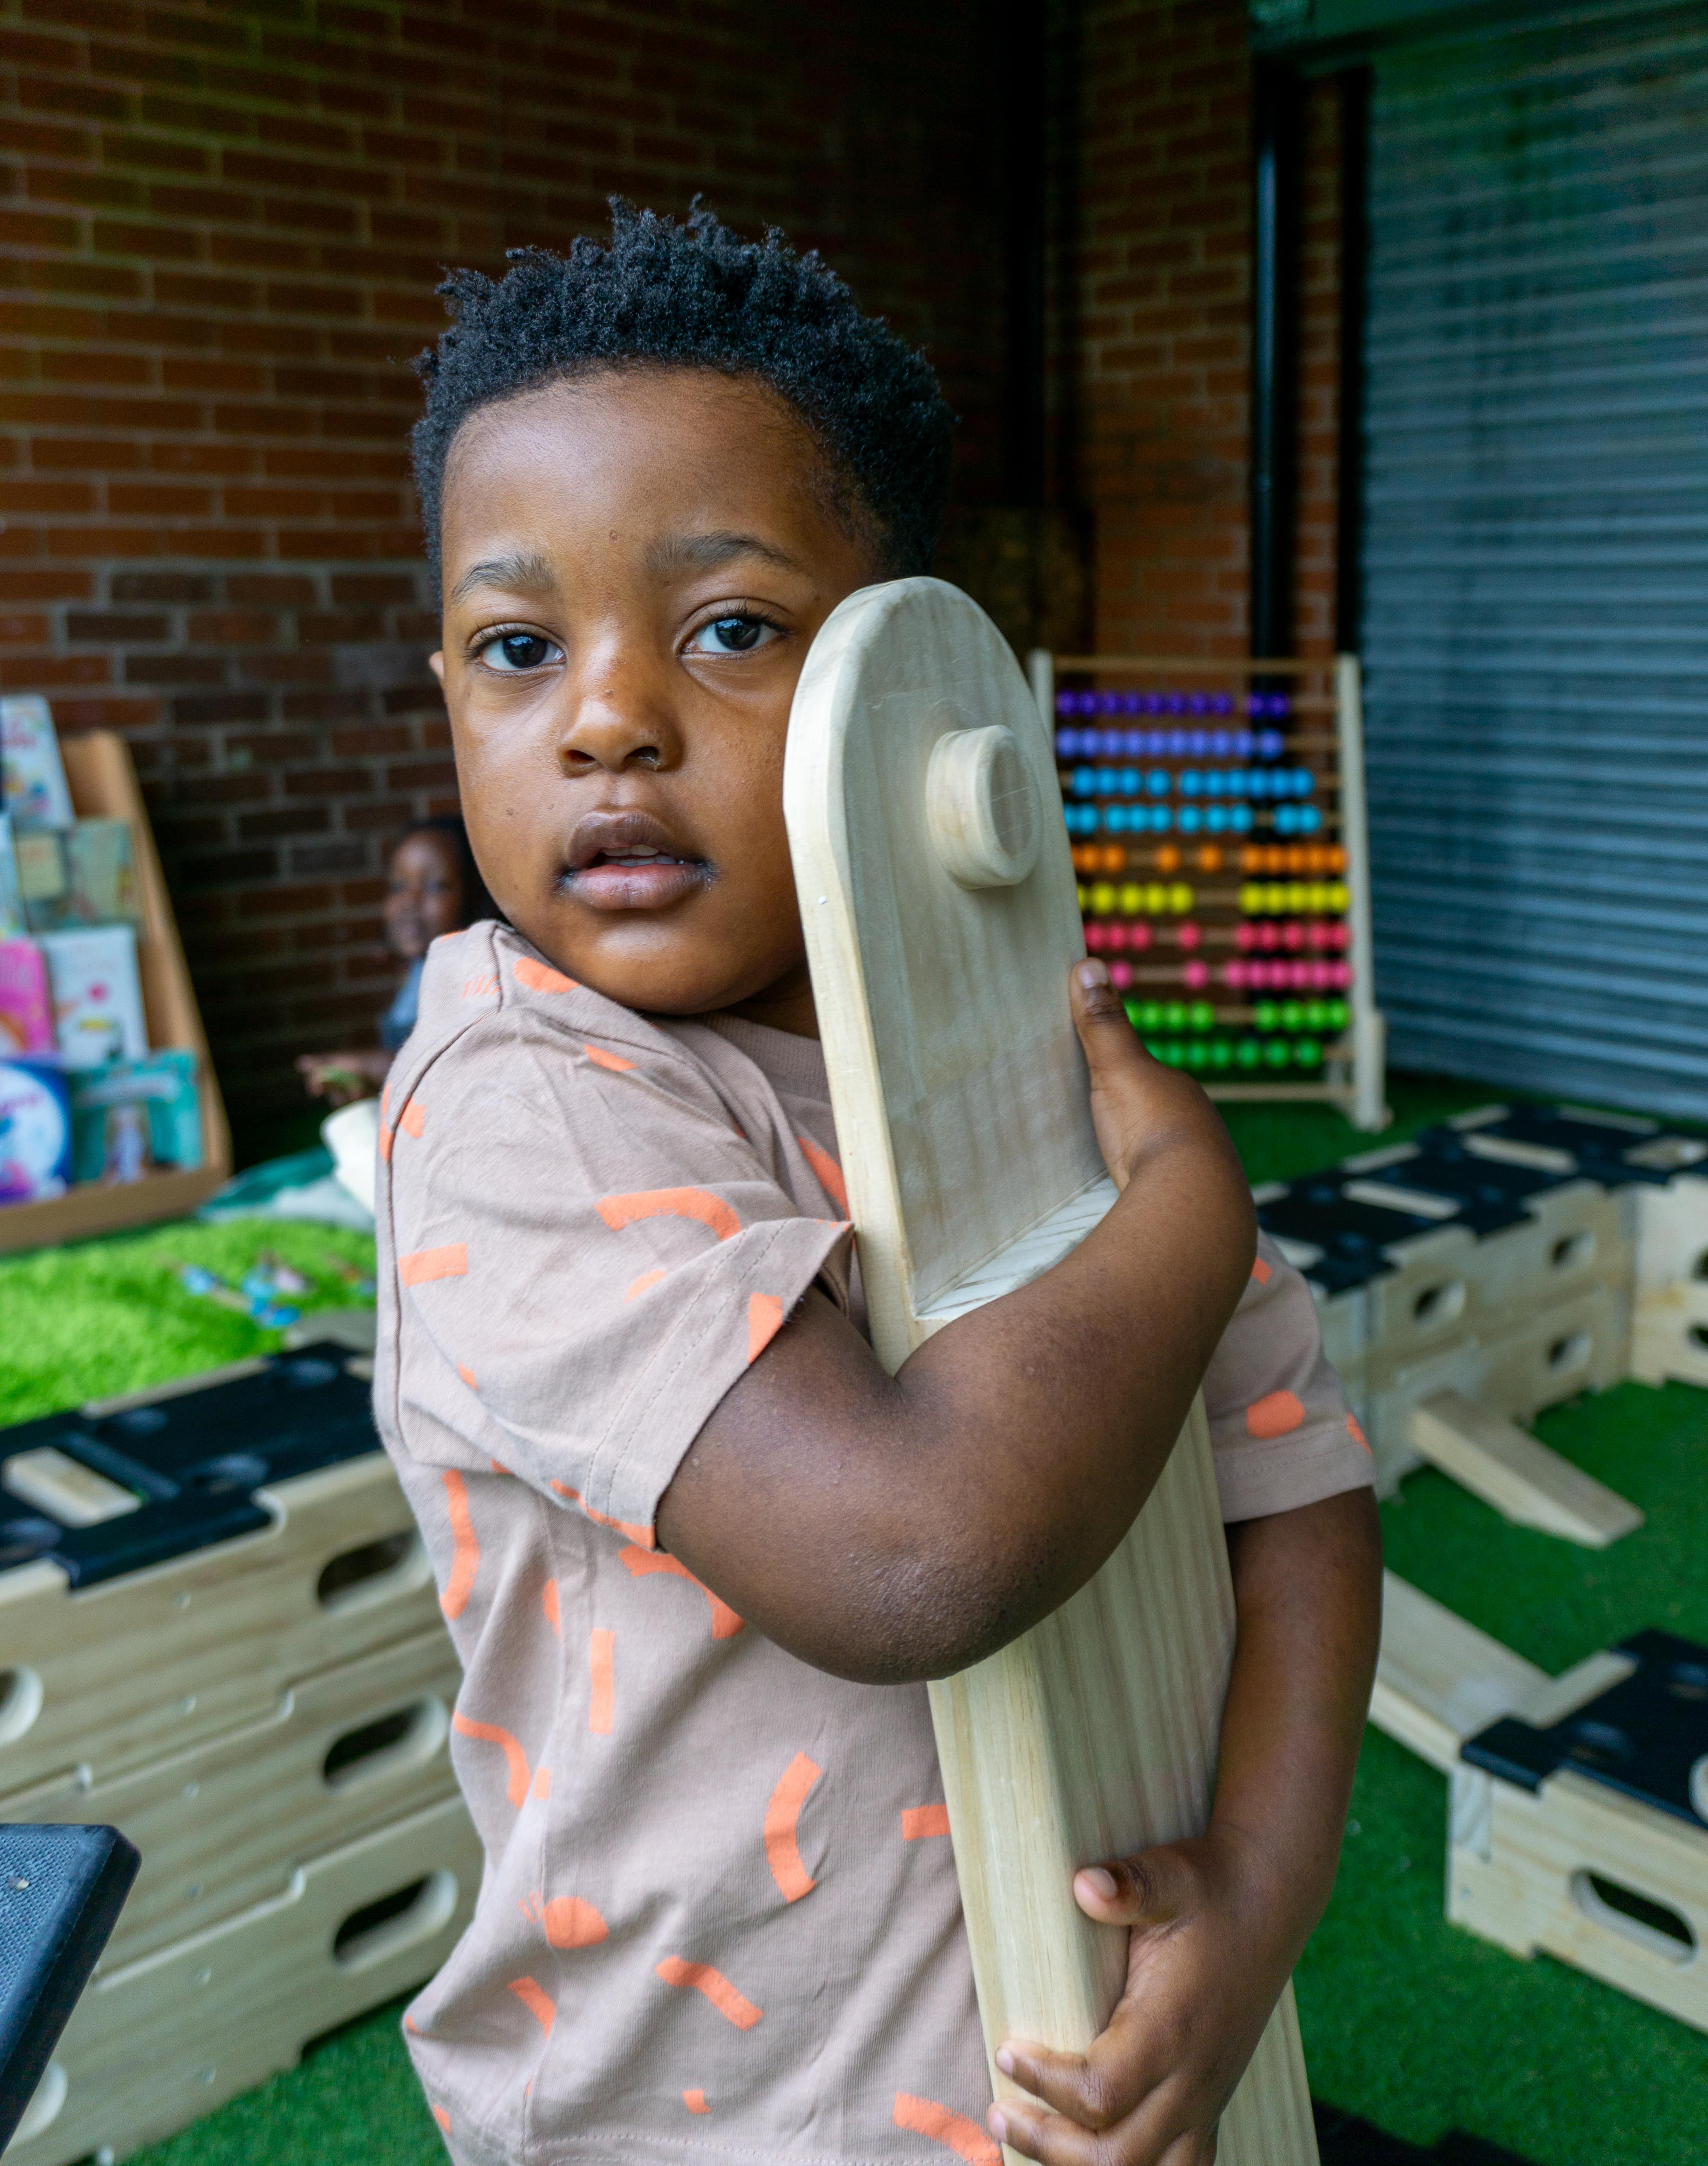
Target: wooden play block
(156,2043)
(1523,1480)
(223,1826)
(938,895)
(103,785)
(1554,1871)
(139,1666)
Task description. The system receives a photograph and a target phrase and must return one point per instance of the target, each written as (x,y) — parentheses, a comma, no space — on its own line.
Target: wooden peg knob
(981,808)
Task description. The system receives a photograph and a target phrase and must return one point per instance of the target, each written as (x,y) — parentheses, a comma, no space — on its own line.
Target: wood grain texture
(103,784)
(960,1098)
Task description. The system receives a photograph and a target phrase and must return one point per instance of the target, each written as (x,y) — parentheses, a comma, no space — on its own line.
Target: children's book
(35,1131)
(34,776)
(97,996)
(134,1115)
(26,1007)
(11,923)
(92,881)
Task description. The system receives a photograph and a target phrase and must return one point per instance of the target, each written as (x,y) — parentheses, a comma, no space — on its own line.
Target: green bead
(1248,1053)
(1277,1053)
(1203,1015)
(1221,1052)
(1152,1014)
(1336,1018)
(1266,1016)
(1134,1012)
(1292,1015)
(1307,1053)
(1197,1054)
(1153,1048)
(1174,1015)
(1315,1016)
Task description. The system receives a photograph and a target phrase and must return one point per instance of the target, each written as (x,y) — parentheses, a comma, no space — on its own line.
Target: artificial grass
(1407,2021)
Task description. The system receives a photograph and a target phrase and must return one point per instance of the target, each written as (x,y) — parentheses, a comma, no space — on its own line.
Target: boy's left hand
(1203,1972)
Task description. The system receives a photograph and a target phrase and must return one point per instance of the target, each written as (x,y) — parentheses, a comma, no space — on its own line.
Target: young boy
(698,1551)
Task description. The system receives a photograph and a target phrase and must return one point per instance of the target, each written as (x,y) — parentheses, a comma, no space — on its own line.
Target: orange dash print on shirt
(467,1376)
(644,1536)
(464,1557)
(614,1061)
(918,1822)
(733,2006)
(385,1144)
(413,1119)
(479,988)
(725,1623)
(422,1266)
(541,977)
(602,1674)
(542,1781)
(764,1321)
(829,1173)
(443,2118)
(548,1602)
(1277,1413)
(568,1921)
(1356,1434)
(781,1817)
(695,2101)
(638,1287)
(515,1759)
(699,1204)
(1262,1272)
(537,2000)
(925,2117)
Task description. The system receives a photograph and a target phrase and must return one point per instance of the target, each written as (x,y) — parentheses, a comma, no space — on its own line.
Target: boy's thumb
(1098,1010)
(1129,1891)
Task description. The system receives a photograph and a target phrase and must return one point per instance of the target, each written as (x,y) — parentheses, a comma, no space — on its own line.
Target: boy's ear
(436,663)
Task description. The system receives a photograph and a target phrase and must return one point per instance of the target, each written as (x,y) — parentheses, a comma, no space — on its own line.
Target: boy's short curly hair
(697,296)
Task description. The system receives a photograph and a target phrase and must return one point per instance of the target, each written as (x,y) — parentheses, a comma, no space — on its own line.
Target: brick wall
(1163,278)
(220,228)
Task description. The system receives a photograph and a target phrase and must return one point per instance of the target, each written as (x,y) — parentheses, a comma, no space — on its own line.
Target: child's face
(635,565)
(424,893)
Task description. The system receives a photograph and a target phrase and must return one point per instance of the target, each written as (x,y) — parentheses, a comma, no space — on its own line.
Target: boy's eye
(734,635)
(518,650)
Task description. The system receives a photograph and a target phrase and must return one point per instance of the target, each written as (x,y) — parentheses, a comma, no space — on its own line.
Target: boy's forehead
(682,460)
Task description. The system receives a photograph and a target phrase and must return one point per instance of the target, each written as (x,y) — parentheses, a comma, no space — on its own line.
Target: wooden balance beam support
(1523,1480)
(937,892)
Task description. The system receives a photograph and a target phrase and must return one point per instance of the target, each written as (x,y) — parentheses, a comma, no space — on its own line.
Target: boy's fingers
(1149,1888)
(1151,2135)
(1096,2088)
(1096,1006)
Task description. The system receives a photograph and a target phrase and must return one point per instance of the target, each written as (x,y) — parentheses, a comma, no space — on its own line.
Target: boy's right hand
(1136,1103)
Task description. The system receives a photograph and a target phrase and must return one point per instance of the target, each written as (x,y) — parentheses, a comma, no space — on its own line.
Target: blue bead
(1216,818)
(1239,819)
(1162,819)
(1157,782)
(1191,819)
(1309,819)
(1132,744)
(1190,781)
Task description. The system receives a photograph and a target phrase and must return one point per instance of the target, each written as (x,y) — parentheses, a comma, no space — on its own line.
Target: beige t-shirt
(720,1921)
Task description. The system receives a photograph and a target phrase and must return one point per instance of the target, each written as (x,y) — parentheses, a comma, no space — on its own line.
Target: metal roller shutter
(1536,554)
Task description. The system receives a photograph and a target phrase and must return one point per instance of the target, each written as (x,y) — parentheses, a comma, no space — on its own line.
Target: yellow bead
(1338,897)
(1132,899)
(1102,899)
(1179,898)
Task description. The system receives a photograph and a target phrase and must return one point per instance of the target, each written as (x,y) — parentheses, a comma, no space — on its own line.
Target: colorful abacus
(1222,862)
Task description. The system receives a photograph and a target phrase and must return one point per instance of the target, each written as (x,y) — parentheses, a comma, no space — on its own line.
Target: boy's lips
(629,861)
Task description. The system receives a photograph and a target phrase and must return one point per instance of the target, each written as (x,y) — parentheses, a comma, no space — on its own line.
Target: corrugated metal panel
(1536,627)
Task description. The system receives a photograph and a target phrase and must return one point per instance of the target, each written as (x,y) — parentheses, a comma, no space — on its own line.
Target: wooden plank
(156,2043)
(1439,1680)
(103,785)
(961,1106)
(1522,1479)
(1175,665)
(224,1824)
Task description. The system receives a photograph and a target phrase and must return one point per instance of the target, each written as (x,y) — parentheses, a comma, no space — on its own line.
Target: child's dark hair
(697,296)
(477,902)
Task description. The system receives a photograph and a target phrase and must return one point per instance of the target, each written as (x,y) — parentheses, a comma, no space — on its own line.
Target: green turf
(1414,2025)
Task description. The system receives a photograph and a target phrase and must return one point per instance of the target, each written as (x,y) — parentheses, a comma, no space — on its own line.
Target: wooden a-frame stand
(937,892)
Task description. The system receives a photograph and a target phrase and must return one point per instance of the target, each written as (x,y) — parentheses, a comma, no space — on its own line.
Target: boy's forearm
(1307,1595)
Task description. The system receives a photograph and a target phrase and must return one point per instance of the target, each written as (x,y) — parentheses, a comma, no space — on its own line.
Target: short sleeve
(595,1253)
(1283,1432)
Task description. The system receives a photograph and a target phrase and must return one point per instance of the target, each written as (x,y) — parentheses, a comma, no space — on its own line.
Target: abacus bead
(1293,934)
(1191,819)
(1121,976)
(1244,936)
(1138,936)
(1096,938)
(1189,935)
(1196,973)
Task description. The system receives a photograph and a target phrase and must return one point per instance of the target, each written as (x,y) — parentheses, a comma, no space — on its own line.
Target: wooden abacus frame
(1356,1067)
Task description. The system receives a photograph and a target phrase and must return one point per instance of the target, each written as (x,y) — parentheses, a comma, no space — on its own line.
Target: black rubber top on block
(1642,1736)
(195,1461)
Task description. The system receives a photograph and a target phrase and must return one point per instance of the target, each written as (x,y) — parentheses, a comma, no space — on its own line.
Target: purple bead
(1222,704)
(1219,743)
(1198,744)
(1132,744)
(1064,703)
(1269,744)
(1177,742)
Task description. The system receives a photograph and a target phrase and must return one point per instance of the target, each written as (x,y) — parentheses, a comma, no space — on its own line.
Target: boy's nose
(614,727)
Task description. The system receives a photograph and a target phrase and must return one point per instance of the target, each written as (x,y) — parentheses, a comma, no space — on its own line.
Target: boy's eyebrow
(524,571)
(707,552)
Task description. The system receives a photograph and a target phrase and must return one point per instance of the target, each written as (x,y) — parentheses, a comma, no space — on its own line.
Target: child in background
(432,887)
(697,1550)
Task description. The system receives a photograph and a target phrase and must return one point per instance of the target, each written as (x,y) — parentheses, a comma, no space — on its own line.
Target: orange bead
(1168,859)
(1210,858)
(1115,858)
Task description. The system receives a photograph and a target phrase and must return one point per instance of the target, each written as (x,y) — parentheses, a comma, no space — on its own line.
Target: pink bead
(1096,936)
(1299,975)
(1115,935)
(1139,934)
(1245,938)
(1234,973)
(1121,976)
(1342,974)
(1293,934)
(1188,936)
(1337,935)
(1321,976)
(1318,935)
(1269,934)
(1196,973)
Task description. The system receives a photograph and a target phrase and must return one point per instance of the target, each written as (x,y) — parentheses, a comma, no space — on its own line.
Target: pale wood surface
(960,1099)
(1439,1679)
(224,1824)
(149,1663)
(1517,1873)
(103,785)
(1523,1480)
(155,2044)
